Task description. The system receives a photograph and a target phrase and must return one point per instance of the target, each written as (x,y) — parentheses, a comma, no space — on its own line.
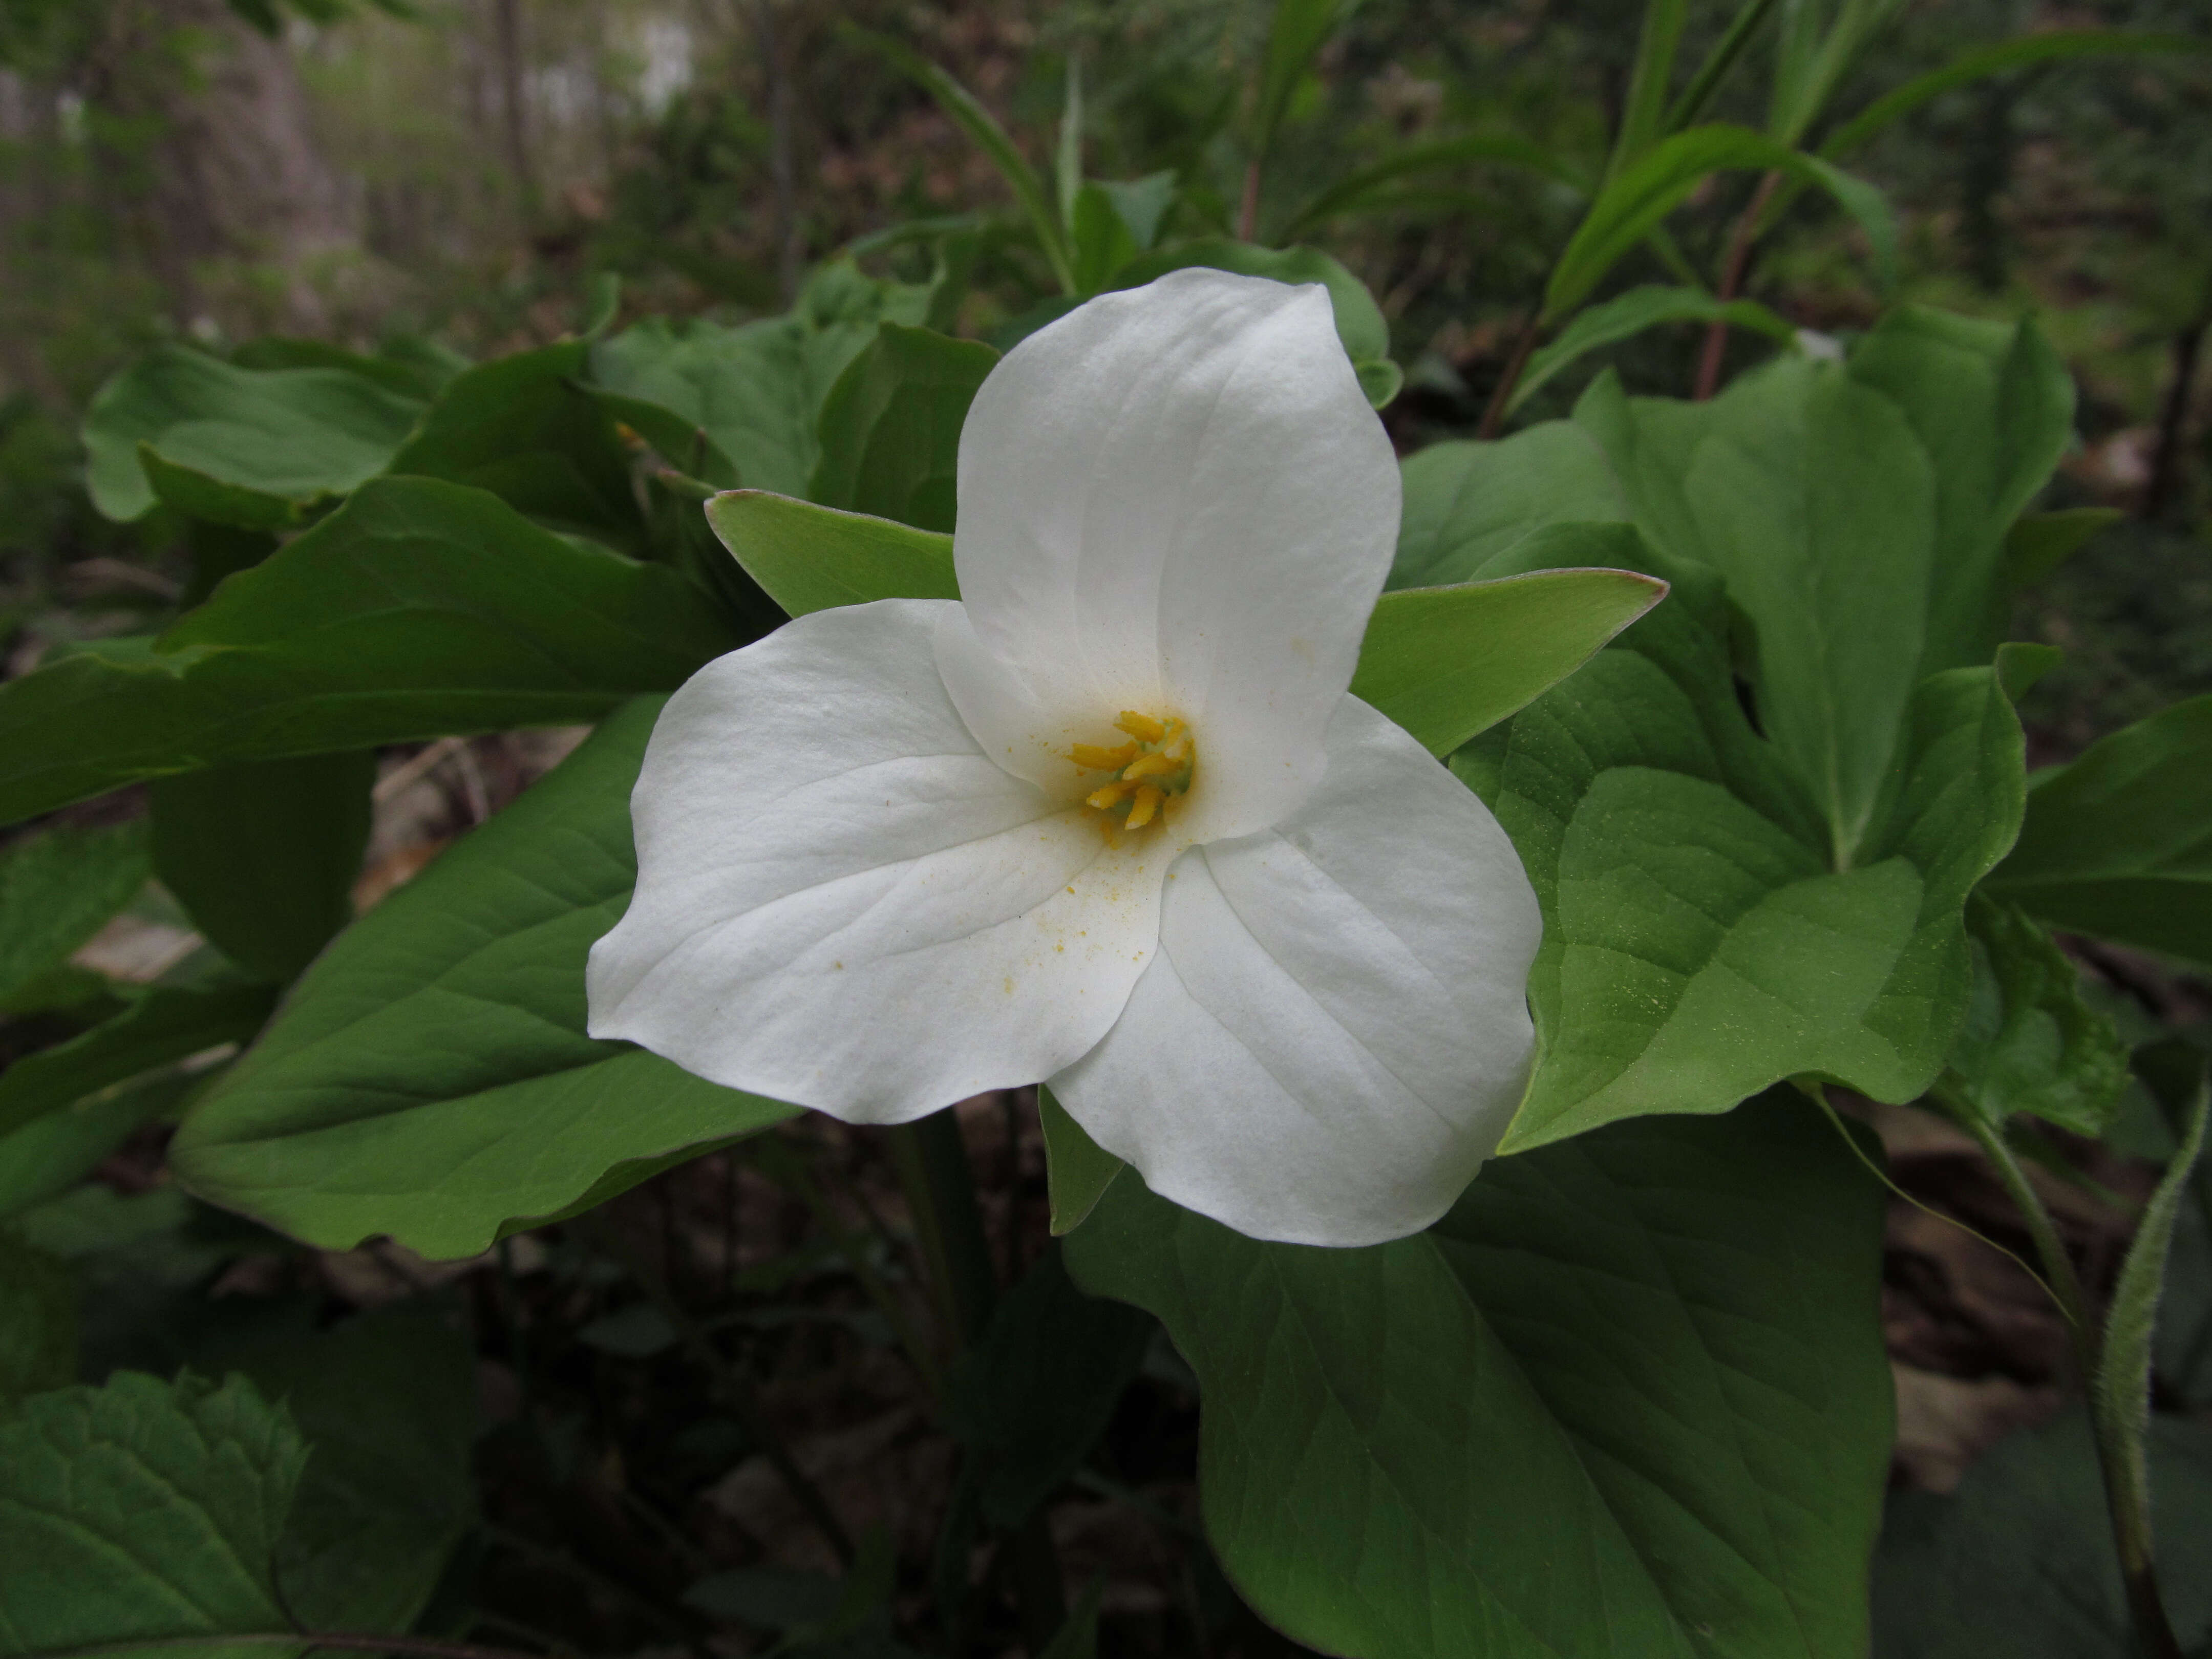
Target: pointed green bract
(813,558)
(891,428)
(1627,1399)
(1078,1170)
(430,1077)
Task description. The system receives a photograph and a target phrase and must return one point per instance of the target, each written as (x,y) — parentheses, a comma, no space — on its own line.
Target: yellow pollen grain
(1144,806)
(1142,727)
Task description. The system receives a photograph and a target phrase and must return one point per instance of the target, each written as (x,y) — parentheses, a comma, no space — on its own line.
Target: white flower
(1112,821)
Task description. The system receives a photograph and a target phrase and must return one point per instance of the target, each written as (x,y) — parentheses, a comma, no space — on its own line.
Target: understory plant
(1458,906)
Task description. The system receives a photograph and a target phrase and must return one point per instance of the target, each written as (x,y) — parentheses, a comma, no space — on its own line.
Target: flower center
(1150,769)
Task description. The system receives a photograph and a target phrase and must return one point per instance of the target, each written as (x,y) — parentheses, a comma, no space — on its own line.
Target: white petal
(1334,1034)
(1175,500)
(842,902)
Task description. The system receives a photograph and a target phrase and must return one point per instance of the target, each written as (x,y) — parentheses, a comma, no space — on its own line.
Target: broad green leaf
(811,558)
(289,435)
(1300,29)
(1446,663)
(37,1327)
(2019,1561)
(417,609)
(2030,1043)
(1627,1399)
(142,1511)
(1650,188)
(203,498)
(2118,845)
(1031,1397)
(49,1155)
(56,891)
(1359,321)
(891,429)
(263,856)
(429,1076)
(1362,188)
(409,367)
(525,428)
(1078,1170)
(1470,505)
(1699,945)
(1629,314)
(387,1405)
(156,1028)
(2039,543)
(734,406)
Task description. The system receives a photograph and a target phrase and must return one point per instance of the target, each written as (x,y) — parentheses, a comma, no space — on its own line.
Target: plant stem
(1732,268)
(1248,210)
(1493,415)
(2119,1451)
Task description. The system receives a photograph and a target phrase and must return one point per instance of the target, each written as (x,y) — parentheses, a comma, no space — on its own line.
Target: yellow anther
(1177,748)
(1109,797)
(1092,758)
(1149,766)
(1142,727)
(1146,804)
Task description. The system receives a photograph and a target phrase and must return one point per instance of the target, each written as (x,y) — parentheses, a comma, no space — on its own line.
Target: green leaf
(2030,1043)
(263,856)
(1996,57)
(1698,97)
(1815,60)
(983,129)
(2118,845)
(1102,240)
(811,558)
(2020,1560)
(410,368)
(1141,204)
(38,1328)
(1300,29)
(49,1155)
(1446,663)
(891,429)
(159,1027)
(387,1403)
(56,891)
(734,406)
(1698,944)
(1643,110)
(1360,320)
(1031,1396)
(1362,190)
(1469,506)
(1648,189)
(429,1076)
(2039,543)
(289,436)
(1628,1398)
(524,429)
(1629,314)
(1078,1170)
(417,609)
(144,1511)
(1077,1638)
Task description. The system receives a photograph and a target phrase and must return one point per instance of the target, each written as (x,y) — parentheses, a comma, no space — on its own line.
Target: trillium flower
(1111,820)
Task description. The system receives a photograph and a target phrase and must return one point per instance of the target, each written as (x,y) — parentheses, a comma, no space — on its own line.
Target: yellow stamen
(1147,803)
(1109,797)
(1149,766)
(1142,727)
(1177,747)
(1092,758)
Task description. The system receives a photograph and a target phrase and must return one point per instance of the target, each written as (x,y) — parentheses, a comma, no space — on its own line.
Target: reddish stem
(1732,269)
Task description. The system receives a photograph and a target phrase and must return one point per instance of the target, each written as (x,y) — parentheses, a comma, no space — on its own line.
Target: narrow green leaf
(1300,29)
(144,1511)
(1996,58)
(891,428)
(1078,1170)
(37,1326)
(1629,314)
(1650,188)
(290,435)
(1362,190)
(1628,1398)
(2039,543)
(417,609)
(158,1028)
(2118,845)
(2030,1043)
(983,129)
(811,558)
(1698,97)
(1643,110)
(1446,663)
(263,856)
(429,1077)
(1067,162)
(56,891)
